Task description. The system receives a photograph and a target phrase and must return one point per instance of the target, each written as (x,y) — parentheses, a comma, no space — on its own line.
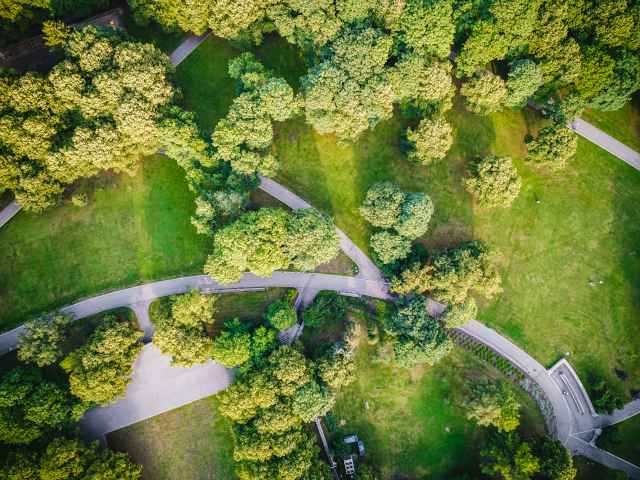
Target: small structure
(349,466)
(596,433)
(351,439)
(361,448)
(367,405)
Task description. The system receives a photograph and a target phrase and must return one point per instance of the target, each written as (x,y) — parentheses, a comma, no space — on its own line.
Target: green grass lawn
(582,230)
(137,232)
(187,443)
(403,431)
(623,124)
(629,449)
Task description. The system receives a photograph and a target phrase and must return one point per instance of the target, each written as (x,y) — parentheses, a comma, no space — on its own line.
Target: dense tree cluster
(494,181)
(95,110)
(492,404)
(69,459)
(323,306)
(268,406)
(605,401)
(460,314)
(239,346)
(271,239)
(179,333)
(98,371)
(42,342)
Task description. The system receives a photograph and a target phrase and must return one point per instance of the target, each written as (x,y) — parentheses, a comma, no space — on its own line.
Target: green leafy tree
(340,450)
(181,137)
(553,147)
(566,110)
(483,93)
(252,243)
(312,239)
(249,72)
(525,77)
(553,457)
(382,205)
(609,437)
(605,401)
(612,474)
(460,314)
(563,64)
(30,407)
(485,43)
(626,80)
(596,71)
(55,34)
(281,315)
(233,346)
(213,207)
(366,472)
(192,309)
(312,401)
(419,337)
(470,266)
(505,455)
(350,91)
(428,26)
(389,246)
(98,371)
(492,404)
(318,311)
(335,369)
(42,343)
(428,143)
(414,279)
(494,181)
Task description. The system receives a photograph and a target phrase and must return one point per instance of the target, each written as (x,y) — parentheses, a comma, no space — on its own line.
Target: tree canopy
(42,343)
(492,404)
(507,456)
(494,181)
(484,93)
(428,143)
(553,147)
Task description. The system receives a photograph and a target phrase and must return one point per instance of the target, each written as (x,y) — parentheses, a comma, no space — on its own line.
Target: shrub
(610,436)
(80,199)
(281,315)
(331,423)
(621,374)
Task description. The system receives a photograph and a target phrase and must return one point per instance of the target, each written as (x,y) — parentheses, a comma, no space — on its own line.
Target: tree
(494,181)
(428,143)
(610,436)
(460,314)
(428,26)
(41,344)
(183,140)
(596,72)
(604,400)
(335,369)
(67,459)
(186,345)
(485,43)
(389,247)
(318,311)
(525,77)
(553,147)
(366,472)
(566,110)
(483,93)
(254,242)
(553,457)
(419,337)
(281,315)
(492,404)
(471,266)
(414,279)
(30,407)
(340,450)
(563,63)
(382,205)
(312,401)
(98,370)
(192,309)
(249,72)
(233,346)
(350,91)
(56,34)
(312,239)
(626,80)
(612,474)
(505,455)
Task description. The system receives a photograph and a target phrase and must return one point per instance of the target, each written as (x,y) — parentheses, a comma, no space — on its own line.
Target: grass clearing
(189,442)
(137,232)
(629,449)
(403,431)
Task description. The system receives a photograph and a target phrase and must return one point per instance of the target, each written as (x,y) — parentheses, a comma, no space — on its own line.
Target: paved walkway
(188,46)
(8,212)
(606,142)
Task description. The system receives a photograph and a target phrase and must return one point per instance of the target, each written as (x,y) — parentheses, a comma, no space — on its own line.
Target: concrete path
(366,268)
(630,409)
(606,142)
(188,46)
(156,388)
(579,447)
(8,212)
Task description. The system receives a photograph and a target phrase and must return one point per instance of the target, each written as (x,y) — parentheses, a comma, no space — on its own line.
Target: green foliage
(505,455)
(339,449)
(42,342)
(596,71)
(460,314)
(611,474)
(419,336)
(610,436)
(253,242)
(389,246)
(80,199)
(56,34)
(492,404)
(427,26)
(470,266)
(312,239)
(566,110)
(485,43)
(428,143)
(372,333)
(483,93)
(605,401)
(494,181)
(98,370)
(249,72)
(626,80)
(382,205)
(318,311)
(281,315)
(94,111)
(349,91)
(64,459)
(233,346)
(330,422)
(312,401)
(525,77)
(553,147)
(366,472)
(413,279)
(334,368)
(30,407)
(382,354)
(553,457)
(192,309)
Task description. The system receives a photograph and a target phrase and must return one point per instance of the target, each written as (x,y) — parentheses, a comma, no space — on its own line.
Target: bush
(610,436)
(372,333)
(281,315)
(604,400)
(621,374)
(331,423)
(339,449)
(80,199)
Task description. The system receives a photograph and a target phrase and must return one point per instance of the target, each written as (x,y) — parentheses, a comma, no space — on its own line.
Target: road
(8,212)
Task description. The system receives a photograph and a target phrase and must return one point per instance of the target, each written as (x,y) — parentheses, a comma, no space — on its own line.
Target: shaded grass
(124,237)
(189,442)
(629,449)
(623,124)
(587,471)
(403,430)
(247,306)
(153,34)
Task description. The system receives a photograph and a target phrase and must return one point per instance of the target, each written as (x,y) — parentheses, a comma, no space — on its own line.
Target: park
(370,240)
